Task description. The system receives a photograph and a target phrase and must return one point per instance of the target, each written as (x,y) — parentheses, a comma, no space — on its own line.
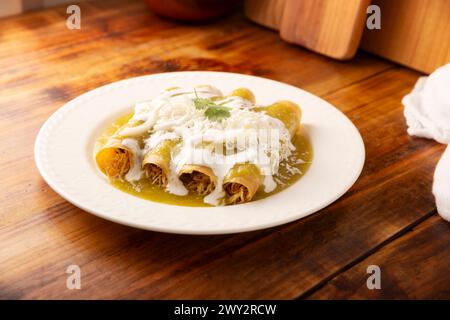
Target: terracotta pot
(192,10)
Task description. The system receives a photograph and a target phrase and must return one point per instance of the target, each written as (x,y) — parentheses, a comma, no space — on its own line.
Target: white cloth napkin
(427,113)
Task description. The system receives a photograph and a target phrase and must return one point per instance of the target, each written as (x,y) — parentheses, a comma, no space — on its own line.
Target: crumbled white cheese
(245,136)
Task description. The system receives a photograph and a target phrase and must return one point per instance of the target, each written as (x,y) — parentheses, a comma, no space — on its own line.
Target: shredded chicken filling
(155,175)
(237,193)
(119,164)
(198,183)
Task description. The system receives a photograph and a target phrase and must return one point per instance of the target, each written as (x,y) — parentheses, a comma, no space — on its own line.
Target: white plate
(64,156)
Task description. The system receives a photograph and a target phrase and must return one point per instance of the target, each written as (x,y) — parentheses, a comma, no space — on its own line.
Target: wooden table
(388,218)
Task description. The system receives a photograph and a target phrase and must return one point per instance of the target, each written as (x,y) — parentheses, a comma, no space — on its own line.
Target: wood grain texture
(332,27)
(44,65)
(268,13)
(414,266)
(413,33)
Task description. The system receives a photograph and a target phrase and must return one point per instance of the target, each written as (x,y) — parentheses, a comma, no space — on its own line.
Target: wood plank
(44,65)
(10,7)
(414,266)
(413,33)
(269,13)
(333,27)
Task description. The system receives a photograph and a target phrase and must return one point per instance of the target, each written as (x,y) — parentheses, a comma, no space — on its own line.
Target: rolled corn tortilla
(117,156)
(114,159)
(156,163)
(244,93)
(241,183)
(198,179)
(287,112)
(244,180)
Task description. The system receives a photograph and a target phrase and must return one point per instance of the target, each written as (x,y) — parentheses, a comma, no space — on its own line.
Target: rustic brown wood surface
(387,218)
(406,263)
(332,27)
(268,13)
(413,33)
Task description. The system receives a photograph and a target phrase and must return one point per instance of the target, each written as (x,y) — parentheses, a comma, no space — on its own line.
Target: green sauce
(299,162)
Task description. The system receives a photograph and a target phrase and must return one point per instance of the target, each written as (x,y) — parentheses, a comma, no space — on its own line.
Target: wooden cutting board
(266,12)
(413,33)
(329,27)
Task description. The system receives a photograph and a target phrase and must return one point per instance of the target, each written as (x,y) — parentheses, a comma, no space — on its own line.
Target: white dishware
(65,158)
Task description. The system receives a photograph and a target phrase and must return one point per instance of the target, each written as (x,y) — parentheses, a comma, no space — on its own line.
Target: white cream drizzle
(135,172)
(172,115)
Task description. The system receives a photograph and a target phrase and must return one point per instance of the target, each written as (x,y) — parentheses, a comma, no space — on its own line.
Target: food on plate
(196,146)
(198,179)
(118,157)
(241,183)
(156,163)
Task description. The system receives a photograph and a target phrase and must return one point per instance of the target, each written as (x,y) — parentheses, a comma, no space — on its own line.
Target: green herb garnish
(213,112)
(202,103)
(217,113)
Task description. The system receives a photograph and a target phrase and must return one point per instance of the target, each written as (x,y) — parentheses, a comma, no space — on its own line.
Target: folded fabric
(427,113)
(441,185)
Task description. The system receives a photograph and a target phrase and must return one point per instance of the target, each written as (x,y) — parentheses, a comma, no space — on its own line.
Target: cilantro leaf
(217,113)
(213,112)
(203,103)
